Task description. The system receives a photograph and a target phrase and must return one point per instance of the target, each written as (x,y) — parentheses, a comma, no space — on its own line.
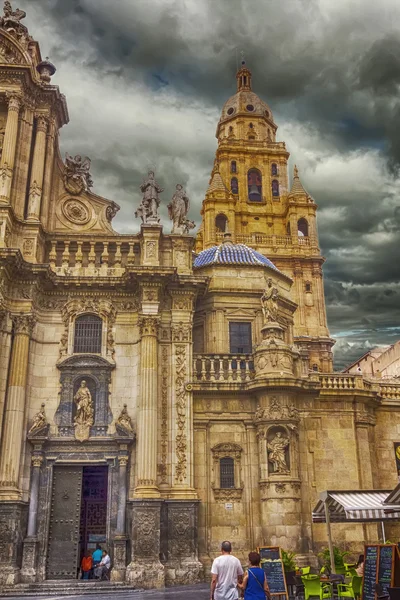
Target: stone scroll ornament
(84,417)
(77,178)
(178,209)
(148,208)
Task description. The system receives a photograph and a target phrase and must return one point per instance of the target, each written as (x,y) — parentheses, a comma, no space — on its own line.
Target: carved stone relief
(181,413)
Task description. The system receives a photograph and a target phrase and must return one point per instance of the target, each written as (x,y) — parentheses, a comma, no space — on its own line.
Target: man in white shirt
(102,570)
(226,572)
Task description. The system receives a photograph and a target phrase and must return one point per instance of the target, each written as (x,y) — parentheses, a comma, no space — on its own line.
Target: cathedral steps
(68,587)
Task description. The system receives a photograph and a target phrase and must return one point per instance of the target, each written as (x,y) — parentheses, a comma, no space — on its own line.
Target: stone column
(22,159)
(365,420)
(9,147)
(119,564)
(29,556)
(48,172)
(15,409)
(5,348)
(36,182)
(146,463)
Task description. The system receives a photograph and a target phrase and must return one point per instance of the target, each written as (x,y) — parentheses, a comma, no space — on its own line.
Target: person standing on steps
(226,573)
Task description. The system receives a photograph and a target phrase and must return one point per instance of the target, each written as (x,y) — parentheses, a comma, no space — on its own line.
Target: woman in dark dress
(255,584)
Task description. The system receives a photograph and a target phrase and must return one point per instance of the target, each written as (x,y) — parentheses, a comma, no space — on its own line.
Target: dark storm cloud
(145,82)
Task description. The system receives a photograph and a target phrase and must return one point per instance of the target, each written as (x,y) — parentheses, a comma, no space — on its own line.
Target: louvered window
(88,329)
(227,473)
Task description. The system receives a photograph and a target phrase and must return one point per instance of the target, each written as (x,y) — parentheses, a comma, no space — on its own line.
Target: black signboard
(275,576)
(370,568)
(385,566)
(270,553)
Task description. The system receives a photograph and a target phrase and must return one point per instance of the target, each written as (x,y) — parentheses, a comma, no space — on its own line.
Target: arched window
(234,185)
(302,227)
(308,286)
(87,338)
(275,187)
(227,473)
(288,228)
(274,169)
(315,367)
(233,166)
(221,222)
(254,185)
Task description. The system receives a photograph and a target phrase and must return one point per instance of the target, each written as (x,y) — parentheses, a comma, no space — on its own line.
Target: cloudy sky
(145,81)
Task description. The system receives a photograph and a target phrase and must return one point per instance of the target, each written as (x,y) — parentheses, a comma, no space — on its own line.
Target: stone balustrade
(283,241)
(339,381)
(229,368)
(390,390)
(84,257)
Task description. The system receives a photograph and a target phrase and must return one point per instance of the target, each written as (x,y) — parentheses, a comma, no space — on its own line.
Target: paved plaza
(192,592)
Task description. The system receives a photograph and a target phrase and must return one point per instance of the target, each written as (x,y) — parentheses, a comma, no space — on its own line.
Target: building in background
(380,362)
(156,400)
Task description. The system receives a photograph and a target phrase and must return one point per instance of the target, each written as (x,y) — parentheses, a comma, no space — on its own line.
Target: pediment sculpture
(178,209)
(148,208)
(123,424)
(40,425)
(77,177)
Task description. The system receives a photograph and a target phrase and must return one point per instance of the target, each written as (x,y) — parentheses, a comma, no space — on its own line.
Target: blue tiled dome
(231,254)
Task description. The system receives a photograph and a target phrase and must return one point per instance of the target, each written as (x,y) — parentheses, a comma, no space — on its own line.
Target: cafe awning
(356,506)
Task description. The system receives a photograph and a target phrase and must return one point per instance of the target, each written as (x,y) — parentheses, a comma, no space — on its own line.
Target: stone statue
(39,421)
(12,20)
(178,209)
(269,302)
(277,452)
(148,209)
(259,414)
(77,174)
(84,417)
(124,421)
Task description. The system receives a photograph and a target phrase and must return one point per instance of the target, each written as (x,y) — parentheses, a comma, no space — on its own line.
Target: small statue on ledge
(269,302)
(77,177)
(39,422)
(11,21)
(124,423)
(178,209)
(148,209)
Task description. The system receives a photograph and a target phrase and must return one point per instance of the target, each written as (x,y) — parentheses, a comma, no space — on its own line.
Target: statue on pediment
(77,177)
(39,422)
(178,209)
(148,209)
(124,422)
(11,20)
(269,302)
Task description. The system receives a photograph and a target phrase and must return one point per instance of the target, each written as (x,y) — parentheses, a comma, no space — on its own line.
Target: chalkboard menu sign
(370,567)
(385,569)
(271,562)
(381,565)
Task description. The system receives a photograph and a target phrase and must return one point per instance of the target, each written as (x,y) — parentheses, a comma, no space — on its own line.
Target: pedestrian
(255,584)
(97,556)
(226,573)
(360,565)
(86,565)
(102,570)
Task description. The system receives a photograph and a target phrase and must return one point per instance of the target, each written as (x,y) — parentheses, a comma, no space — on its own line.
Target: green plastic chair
(305,570)
(314,587)
(350,590)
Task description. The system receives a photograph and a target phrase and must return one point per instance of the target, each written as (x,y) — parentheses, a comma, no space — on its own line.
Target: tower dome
(228,253)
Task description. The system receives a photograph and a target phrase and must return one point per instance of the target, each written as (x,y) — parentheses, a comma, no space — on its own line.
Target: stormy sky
(145,81)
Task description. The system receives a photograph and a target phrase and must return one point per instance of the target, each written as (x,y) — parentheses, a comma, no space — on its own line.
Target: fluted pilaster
(9,148)
(36,182)
(146,486)
(15,409)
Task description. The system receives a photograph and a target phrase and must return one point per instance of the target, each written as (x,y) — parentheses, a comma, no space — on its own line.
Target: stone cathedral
(161,392)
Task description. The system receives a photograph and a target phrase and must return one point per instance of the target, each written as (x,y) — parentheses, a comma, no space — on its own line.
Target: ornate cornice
(228,494)
(227,449)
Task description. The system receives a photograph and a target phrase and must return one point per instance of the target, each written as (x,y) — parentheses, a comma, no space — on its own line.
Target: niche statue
(84,417)
(277,453)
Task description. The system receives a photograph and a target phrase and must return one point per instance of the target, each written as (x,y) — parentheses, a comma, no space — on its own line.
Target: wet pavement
(191,592)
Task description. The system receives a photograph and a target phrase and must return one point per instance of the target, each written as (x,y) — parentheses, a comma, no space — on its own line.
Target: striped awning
(394,497)
(356,506)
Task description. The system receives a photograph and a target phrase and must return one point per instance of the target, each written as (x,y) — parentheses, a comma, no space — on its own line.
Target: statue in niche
(77,174)
(269,302)
(39,422)
(84,417)
(276,449)
(178,209)
(148,209)
(124,422)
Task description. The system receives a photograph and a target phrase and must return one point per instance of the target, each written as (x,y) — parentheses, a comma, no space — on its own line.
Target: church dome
(245,101)
(231,254)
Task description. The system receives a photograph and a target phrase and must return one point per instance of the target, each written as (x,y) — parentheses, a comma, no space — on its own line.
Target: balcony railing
(285,241)
(223,367)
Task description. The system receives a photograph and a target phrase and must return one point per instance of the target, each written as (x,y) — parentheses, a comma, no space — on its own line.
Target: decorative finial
(46,70)
(296,171)
(243,58)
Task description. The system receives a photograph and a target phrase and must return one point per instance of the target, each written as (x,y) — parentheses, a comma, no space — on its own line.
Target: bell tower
(249,196)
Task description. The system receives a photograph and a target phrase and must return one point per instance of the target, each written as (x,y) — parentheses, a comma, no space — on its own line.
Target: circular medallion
(76,212)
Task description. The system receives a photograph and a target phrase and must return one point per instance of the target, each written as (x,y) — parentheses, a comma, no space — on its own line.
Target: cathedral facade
(162,392)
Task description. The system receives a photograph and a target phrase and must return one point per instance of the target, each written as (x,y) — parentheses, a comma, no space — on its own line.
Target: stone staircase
(68,587)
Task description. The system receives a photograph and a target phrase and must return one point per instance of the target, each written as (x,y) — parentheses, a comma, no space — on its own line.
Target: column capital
(14,101)
(181,332)
(42,122)
(123,461)
(37,461)
(149,325)
(23,324)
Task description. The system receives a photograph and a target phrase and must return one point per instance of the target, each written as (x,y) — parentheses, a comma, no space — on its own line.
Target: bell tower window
(275,188)
(233,166)
(302,227)
(234,185)
(274,169)
(221,222)
(254,185)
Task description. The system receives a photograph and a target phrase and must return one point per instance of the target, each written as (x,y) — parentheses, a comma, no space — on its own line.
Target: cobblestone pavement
(192,592)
